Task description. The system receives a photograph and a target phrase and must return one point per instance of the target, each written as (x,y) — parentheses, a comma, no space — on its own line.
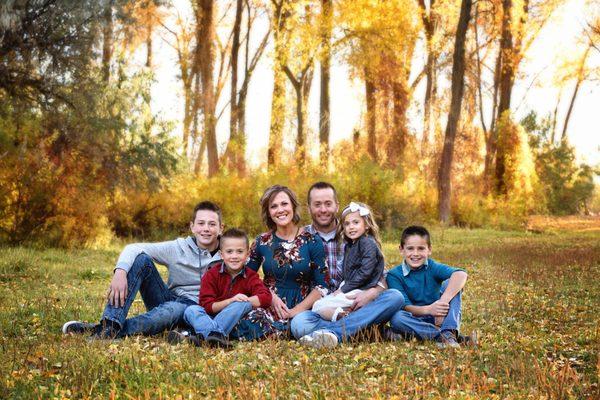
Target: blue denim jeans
(377,311)
(423,327)
(223,322)
(165,310)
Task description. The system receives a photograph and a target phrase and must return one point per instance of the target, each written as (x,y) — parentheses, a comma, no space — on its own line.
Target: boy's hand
(439,309)
(438,321)
(239,297)
(117,291)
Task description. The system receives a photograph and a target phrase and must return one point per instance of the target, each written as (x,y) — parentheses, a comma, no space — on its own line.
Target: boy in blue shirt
(431,290)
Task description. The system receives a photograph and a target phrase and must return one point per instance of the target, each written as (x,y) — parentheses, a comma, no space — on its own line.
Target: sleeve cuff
(121,265)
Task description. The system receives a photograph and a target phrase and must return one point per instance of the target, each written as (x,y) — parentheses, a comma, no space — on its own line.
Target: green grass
(533,298)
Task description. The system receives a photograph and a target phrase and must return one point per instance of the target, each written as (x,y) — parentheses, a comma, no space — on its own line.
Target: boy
(432,307)
(229,290)
(186,259)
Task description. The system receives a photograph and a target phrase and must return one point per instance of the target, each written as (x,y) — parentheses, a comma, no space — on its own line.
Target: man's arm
(367,296)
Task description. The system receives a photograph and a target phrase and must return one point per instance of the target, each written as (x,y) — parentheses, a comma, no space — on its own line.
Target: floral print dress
(291,270)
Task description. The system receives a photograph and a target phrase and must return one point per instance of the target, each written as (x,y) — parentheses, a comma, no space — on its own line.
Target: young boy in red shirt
(229,290)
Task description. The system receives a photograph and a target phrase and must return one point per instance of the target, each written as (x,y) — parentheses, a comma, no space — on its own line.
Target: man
(372,306)
(186,259)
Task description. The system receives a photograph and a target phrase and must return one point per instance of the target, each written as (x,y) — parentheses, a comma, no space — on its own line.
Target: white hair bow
(353,207)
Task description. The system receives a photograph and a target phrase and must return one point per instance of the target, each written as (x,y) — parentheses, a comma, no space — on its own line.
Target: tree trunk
(232,153)
(300,135)
(249,67)
(580,78)
(399,139)
(458,83)
(107,42)
(429,23)
(302,88)
(506,85)
(324,103)
(149,47)
(205,39)
(371,117)
(492,138)
(554,115)
(278,98)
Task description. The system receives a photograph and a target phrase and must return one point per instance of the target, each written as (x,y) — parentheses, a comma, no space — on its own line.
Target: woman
(293,263)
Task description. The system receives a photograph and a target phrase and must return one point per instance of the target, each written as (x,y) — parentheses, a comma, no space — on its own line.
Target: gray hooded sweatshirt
(185,261)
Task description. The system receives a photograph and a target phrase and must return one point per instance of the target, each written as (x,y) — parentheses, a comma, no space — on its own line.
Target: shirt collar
(223,270)
(406,269)
(325,236)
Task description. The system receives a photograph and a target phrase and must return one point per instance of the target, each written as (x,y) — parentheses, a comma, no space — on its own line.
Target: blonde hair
(371,224)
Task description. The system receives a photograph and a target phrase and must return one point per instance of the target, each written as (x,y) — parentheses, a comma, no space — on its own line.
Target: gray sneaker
(320,339)
(447,339)
(176,337)
(77,327)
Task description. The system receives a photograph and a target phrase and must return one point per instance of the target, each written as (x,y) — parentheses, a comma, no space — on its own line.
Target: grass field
(533,298)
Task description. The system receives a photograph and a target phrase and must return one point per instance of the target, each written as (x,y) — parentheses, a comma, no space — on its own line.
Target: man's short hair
(415,230)
(235,233)
(321,185)
(208,206)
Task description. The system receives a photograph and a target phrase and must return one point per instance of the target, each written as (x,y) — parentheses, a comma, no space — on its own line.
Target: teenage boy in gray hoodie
(186,259)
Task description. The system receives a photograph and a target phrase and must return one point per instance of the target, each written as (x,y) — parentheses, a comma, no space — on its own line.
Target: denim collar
(223,270)
(406,269)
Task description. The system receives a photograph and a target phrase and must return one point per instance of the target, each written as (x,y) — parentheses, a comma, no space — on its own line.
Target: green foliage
(69,139)
(568,187)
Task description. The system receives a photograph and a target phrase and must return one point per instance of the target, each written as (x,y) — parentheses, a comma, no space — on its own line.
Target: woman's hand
(117,291)
(280,308)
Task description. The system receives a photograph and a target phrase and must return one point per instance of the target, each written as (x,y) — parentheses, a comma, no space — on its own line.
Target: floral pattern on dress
(291,269)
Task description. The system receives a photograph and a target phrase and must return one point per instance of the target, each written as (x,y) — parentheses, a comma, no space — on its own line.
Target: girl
(363,261)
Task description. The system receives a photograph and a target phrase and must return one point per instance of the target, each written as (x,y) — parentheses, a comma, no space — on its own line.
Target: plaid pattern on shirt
(335,256)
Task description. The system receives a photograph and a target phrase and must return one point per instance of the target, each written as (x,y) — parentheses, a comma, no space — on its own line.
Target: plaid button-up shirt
(335,256)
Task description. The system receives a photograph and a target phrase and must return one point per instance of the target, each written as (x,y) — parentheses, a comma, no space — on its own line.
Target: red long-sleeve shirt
(217,285)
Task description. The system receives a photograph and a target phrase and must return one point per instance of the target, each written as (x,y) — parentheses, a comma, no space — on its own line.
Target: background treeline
(83,156)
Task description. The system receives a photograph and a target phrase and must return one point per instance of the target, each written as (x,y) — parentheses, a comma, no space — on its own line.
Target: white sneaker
(78,327)
(319,339)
